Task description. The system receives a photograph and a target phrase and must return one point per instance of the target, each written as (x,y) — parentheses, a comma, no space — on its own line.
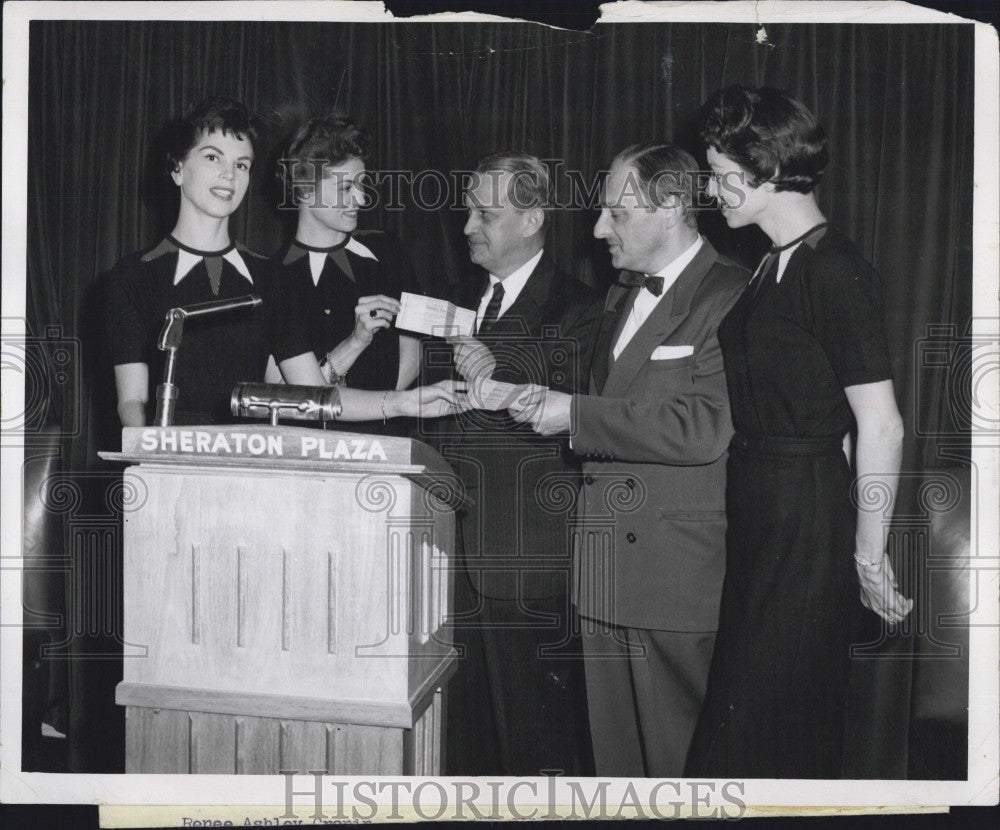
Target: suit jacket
(517,535)
(651,521)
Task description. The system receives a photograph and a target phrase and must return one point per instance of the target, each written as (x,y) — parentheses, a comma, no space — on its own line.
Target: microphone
(196,310)
(170,340)
(280,400)
(173,328)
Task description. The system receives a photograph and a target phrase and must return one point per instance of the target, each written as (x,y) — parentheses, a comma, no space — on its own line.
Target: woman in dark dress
(347,274)
(807,365)
(210,153)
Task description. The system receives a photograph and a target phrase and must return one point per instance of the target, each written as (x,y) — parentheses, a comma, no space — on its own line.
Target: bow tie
(654,285)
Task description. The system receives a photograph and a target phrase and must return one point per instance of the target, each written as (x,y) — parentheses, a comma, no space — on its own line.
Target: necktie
(492,313)
(654,285)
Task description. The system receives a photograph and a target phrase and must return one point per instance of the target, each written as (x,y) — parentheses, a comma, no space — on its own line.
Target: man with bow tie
(511,708)
(649,547)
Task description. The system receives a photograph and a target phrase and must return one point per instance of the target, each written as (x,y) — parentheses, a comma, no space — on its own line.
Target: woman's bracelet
(332,376)
(385,417)
(865,563)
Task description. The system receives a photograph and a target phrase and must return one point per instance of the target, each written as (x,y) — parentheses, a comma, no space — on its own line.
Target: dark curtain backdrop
(897,103)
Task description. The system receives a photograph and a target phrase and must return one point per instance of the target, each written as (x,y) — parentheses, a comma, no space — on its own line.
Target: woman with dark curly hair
(806,365)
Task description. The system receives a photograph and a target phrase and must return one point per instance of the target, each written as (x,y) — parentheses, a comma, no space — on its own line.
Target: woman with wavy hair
(808,369)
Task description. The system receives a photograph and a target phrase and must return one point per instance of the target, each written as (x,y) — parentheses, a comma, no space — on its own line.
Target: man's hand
(547,411)
(472,358)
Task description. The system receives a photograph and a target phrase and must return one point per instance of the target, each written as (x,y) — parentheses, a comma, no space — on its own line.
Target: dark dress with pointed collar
(217,351)
(790,606)
(365,263)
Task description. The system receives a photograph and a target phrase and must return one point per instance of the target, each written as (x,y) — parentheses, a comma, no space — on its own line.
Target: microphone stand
(170,340)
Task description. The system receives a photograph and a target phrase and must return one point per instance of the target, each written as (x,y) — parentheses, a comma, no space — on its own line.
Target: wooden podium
(289,587)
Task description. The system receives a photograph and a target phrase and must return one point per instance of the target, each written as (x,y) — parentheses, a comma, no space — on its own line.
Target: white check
(486,393)
(437,317)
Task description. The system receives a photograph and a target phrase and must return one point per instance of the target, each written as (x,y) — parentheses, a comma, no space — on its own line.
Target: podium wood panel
(173,741)
(291,617)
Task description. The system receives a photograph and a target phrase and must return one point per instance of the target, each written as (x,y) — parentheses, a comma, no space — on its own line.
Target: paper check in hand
(485,393)
(436,317)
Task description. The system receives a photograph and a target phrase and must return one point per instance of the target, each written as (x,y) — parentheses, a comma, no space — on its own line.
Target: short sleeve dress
(790,603)
(334,279)
(217,351)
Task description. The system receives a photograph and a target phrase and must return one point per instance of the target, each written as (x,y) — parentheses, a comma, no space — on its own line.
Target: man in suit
(513,705)
(649,552)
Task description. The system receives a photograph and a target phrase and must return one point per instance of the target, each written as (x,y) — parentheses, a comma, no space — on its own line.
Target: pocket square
(671,352)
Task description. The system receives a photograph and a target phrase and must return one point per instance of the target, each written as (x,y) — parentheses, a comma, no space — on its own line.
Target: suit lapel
(526,312)
(618,307)
(669,313)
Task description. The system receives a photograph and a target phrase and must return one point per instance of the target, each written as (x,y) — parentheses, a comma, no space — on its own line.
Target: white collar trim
(317,259)
(356,247)
(186,261)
